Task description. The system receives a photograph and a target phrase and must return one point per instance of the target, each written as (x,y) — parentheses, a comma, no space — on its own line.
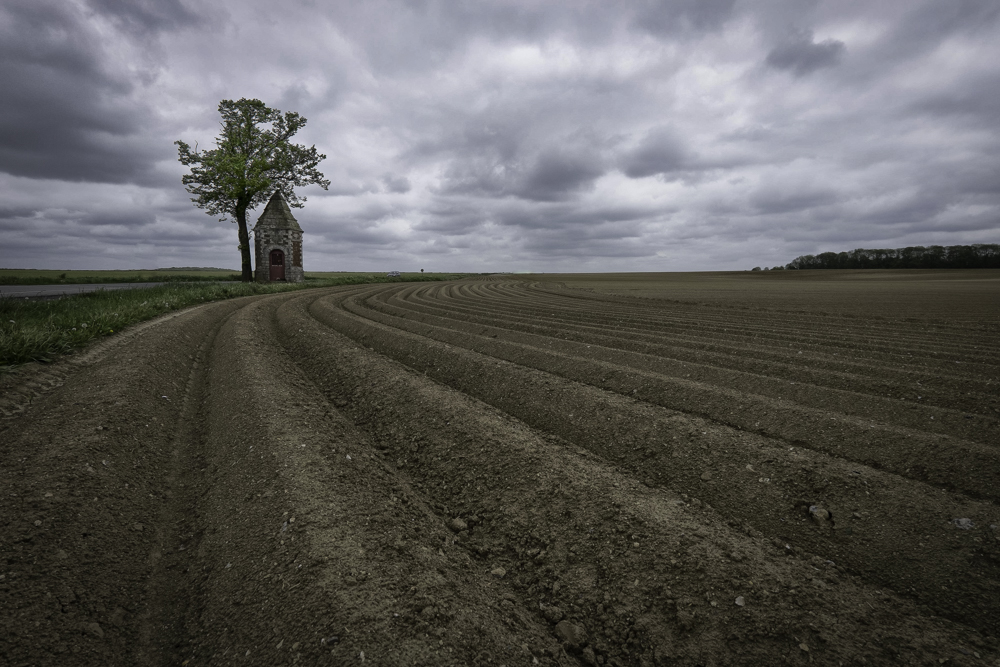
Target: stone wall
(289,241)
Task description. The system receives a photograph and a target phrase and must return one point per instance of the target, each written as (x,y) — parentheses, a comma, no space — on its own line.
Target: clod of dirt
(552,614)
(588,657)
(819,515)
(94,630)
(685,618)
(458,525)
(572,634)
(963,524)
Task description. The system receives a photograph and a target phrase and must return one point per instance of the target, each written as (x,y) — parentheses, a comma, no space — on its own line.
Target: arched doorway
(277,265)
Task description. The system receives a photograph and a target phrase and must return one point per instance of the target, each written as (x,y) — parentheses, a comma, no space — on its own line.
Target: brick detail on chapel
(277,229)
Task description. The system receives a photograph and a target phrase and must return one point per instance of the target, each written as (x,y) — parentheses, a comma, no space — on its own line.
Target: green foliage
(44,277)
(975,256)
(43,330)
(250,161)
(253,158)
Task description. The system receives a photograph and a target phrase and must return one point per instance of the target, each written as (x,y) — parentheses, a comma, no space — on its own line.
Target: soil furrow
(504,472)
(651,575)
(876,380)
(307,519)
(934,458)
(709,318)
(684,320)
(856,402)
(631,433)
(900,367)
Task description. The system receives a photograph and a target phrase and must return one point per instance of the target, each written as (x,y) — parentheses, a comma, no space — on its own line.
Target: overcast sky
(514,135)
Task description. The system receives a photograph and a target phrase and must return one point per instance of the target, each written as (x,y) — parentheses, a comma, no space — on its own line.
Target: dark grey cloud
(645,134)
(801,55)
(146,16)
(396,183)
(500,155)
(69,110)
(670,17)
(770,199)
(133,220)
(931,23)
(660,152)
(556,175)
(565,216)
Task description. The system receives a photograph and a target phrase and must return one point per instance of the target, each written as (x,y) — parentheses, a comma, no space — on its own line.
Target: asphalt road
(56,291)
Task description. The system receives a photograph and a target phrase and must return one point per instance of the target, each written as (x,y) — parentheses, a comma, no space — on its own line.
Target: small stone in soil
(706,476)
(740,601)
(574,635)
(819,515)
(499,573)
(553,614)
(457,525)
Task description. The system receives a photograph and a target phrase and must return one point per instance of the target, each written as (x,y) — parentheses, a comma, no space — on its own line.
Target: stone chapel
(278,244)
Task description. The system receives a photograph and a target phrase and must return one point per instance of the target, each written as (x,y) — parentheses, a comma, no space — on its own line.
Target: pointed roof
(277,215)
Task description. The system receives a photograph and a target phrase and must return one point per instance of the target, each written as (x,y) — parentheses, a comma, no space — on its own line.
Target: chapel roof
(277,214)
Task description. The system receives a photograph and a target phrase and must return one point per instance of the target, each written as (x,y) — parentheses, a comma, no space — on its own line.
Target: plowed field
(560,470)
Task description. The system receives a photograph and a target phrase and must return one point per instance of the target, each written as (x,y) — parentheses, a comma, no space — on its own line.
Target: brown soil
(557,470)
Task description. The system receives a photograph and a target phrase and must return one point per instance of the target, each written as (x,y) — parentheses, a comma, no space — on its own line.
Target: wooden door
(277,265)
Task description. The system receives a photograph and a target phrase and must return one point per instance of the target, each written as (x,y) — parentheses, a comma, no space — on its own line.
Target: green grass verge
(43,330)
(47,277)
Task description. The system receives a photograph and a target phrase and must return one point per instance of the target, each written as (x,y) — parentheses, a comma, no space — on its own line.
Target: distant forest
(976,256)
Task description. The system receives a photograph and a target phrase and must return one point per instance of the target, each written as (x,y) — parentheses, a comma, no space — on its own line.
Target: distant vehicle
(392,274)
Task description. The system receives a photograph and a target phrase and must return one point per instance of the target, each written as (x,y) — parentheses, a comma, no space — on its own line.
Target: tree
(253,158)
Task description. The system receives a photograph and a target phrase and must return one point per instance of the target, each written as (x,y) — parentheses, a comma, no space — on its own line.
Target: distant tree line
(975,256)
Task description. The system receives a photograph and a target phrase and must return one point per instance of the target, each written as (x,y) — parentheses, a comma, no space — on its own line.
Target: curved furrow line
(846,344)
(799,375)
(934,458)
(852,405)
(638,567)
(698,315)
(730,303)
(593,319)
(888,513)
(774,339)
(465,473)
(777,329)
(347,555)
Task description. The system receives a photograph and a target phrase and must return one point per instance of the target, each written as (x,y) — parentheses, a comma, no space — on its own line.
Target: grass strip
(50,277)
(40,331)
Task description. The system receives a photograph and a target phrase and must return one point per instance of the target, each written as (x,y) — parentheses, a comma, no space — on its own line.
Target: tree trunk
(241,221)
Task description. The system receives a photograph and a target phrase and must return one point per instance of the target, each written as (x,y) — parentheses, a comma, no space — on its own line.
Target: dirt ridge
(497,472)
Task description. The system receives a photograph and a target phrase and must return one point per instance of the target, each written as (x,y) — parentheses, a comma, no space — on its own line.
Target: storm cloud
(507,135)
(802,55)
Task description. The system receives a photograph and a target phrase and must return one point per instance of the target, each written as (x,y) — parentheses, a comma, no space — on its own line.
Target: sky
(475,136)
